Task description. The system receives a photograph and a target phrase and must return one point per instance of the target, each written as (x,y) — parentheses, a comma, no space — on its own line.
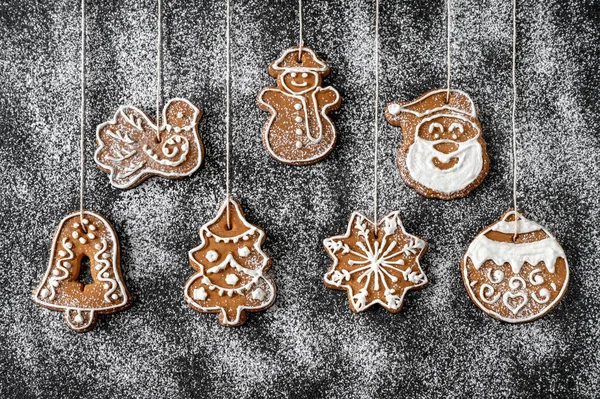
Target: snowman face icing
(446,155)
(299,80)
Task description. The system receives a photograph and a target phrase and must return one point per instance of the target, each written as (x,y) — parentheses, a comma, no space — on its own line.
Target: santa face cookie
(443,154)
(130,150)
(230,269)
(299,132)
(375,270)
(94,238)
(515,280)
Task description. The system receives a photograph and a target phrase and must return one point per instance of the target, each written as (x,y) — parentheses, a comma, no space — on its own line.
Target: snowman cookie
(515,278)
(299,131)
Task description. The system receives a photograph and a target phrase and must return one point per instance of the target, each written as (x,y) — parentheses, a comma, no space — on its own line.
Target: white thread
(300,41)
(82,119)
(227,128)
(448,50)
(158,68)
(514,110)
(376,51)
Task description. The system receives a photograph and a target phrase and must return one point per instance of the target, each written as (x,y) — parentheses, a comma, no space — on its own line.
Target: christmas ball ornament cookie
(515,278)
(131,148)
(375,269)
(299,131)
(77,238)
(443,154)
(230,268)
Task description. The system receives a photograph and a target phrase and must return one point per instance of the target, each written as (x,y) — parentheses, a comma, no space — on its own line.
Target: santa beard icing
(419,162)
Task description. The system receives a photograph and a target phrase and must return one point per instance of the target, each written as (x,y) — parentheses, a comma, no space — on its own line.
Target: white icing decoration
(91,236)
(298,106)
(212,256)
(258,294)
(78,319)
(85,221)
(419,162)
(544,295)
(535,277)
(243,252)
(546,250)
(231,279)
(92,227)
(82,240)
(75,234)
(497,277)
(394,109)
(508,300)
(200,294)
(44,292)
(298,144)
(486,292)
(448,107)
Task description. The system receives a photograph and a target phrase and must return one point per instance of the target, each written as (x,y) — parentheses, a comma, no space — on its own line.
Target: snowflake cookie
(375,269)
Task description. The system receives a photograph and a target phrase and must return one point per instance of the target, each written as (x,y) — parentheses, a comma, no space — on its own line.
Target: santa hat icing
(310,62)
(458,103)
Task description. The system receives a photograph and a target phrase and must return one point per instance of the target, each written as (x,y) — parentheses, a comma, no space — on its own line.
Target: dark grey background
(308,344)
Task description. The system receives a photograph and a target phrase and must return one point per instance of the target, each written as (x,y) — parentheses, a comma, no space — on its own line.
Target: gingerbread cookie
(515,279)
(299,132)
(230,269)
(375,270)
(130,149)
(92,237)
(443,154)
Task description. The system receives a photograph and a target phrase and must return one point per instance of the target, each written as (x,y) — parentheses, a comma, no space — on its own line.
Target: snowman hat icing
(310,61)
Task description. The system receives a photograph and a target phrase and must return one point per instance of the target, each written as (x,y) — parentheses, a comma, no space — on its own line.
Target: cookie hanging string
(158,68)
(82,120)
(514,110)
(300,41)
(376,113)
(448,51)
(227,113)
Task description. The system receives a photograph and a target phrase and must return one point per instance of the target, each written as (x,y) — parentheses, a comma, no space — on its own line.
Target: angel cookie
(230,268)
(443,154)
(131,148)
(79,237)
(299,132)
(375,269)
(515,278)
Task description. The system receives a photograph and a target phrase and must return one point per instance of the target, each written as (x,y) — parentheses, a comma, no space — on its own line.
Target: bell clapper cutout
(299,131)
(515,270)
(443,154)
(230,266)
(132,147)
(375,261)
(83,235)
